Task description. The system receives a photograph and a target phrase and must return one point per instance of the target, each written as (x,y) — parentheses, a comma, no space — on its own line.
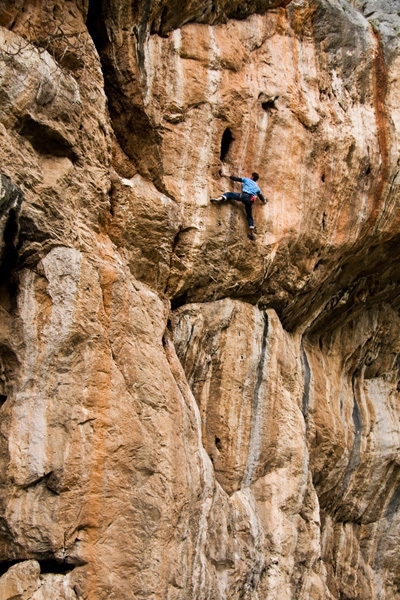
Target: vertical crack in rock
(256,413)
(134,129)
(354,459)
(306,390)
(380,86)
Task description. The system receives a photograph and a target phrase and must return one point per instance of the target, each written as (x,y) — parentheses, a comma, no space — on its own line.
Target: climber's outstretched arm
(231,177)
(263,200)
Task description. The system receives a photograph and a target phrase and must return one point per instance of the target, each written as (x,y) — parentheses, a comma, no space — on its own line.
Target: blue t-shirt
(250,186)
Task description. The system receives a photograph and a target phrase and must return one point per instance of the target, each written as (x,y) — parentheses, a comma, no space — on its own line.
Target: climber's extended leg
(226,196)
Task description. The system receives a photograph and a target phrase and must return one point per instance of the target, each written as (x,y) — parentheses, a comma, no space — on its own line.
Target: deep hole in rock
(5,565)
(53,566)
(226,141)
(46,566)
(3,398)
(268,104)
(10,252)
(218,443)
(96,26)
(178,301)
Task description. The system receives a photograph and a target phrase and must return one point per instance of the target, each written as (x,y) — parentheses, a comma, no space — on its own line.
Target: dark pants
(248,205)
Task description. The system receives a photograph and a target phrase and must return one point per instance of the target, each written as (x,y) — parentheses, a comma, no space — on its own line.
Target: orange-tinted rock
(185,413)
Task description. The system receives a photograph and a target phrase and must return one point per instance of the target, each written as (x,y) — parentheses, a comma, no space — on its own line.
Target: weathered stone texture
(184,413)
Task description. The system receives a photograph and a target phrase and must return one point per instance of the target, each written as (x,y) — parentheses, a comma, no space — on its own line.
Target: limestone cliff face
(185,413)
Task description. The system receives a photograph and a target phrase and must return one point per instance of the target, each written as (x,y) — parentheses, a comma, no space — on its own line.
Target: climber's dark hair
(255,176)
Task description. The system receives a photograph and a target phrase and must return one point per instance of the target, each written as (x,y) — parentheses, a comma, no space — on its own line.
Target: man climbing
(249,192)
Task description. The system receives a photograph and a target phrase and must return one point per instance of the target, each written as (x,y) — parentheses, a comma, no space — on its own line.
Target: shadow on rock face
(11,197)
(45,139)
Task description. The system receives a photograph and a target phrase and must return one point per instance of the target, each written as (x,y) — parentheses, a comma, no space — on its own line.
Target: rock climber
(249,192)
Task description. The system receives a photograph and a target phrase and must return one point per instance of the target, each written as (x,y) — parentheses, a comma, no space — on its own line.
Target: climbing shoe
(215,200)
(251,235)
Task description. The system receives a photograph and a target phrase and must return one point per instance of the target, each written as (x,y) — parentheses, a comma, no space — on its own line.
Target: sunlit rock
(186,413)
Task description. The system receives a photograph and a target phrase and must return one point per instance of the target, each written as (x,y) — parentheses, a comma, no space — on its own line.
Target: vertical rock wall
(185,413)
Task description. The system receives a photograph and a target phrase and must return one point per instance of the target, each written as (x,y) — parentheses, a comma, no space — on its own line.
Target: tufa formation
(186,414)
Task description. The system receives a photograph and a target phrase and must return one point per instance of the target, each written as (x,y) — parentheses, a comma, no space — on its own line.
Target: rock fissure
(46,566)
(380,91)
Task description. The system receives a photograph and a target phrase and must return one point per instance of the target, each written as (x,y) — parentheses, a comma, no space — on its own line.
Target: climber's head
(255,176)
